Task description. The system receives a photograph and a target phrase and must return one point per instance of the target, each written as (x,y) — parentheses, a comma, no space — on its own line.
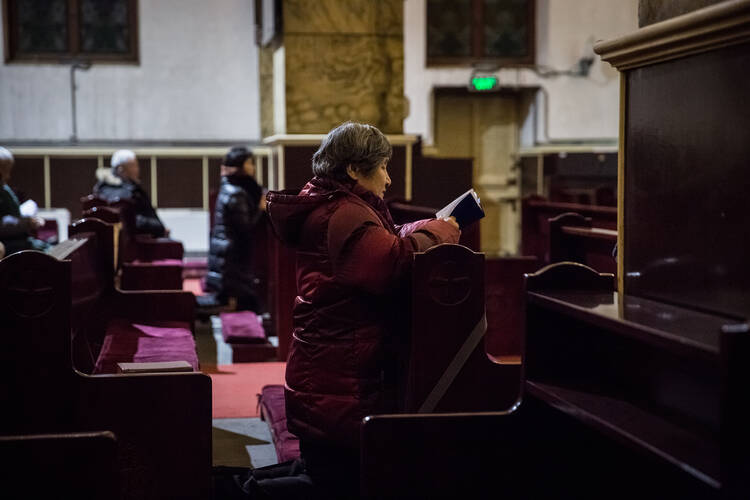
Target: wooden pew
(107,322)
(536,212)
(612,402)
(144,263)
(572,238)
(448,365)
(162,421)
(80,465)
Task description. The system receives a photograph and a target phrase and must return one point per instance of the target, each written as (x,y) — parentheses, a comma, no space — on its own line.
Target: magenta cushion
(242,327)
(274,412)
(127,342)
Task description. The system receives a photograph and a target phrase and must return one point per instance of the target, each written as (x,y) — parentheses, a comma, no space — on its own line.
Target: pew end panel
(163,423)
(72,465)
(34,302)
(448,367)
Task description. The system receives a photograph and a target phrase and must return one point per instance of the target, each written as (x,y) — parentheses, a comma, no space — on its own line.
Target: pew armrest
(155,305)
(163,425)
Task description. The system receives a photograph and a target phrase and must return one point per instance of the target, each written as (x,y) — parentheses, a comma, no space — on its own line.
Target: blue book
(466,209)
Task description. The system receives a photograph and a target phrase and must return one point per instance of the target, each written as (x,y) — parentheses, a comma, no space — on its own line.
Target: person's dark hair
(362,146)
(236,156)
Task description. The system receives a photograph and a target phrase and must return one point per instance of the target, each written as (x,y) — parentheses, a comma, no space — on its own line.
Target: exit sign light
(484,83)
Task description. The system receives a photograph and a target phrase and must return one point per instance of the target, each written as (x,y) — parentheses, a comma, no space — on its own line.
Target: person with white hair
(16,230)
(122,181)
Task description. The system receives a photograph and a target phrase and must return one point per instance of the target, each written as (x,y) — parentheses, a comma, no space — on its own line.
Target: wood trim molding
(621,187)
(316,139)
(720,25)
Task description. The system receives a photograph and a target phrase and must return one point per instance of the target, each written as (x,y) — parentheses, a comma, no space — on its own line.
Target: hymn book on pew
(466,209)
(155,367)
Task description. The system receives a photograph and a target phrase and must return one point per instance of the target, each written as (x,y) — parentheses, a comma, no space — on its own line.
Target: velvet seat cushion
(242,327)
(128,342)
(273,411)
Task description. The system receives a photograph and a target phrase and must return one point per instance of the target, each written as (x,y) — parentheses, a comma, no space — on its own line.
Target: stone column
(342,60)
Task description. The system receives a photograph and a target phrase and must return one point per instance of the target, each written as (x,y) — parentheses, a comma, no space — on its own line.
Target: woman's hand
(452,221)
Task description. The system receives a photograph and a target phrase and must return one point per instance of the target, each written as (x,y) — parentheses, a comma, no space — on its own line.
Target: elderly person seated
(347,318)
(16,230)
(122,181)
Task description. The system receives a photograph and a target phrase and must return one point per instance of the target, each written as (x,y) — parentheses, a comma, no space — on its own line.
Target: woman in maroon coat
(350,261)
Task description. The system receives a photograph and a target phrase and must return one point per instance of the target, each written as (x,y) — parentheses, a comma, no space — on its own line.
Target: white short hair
(5,155)
(121,156)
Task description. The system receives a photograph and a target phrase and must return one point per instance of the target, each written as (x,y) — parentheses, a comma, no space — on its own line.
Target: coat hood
(288,209)
(106,176)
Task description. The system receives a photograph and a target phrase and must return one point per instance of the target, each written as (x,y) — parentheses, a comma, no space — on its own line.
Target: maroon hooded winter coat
(350,258)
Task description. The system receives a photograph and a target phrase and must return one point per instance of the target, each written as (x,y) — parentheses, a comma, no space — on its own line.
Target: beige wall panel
(383,17)
(334,78)
(454,127)
(485,128)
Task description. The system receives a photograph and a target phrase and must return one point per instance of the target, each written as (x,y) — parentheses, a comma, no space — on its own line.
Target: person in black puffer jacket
(239,205)
(122,180)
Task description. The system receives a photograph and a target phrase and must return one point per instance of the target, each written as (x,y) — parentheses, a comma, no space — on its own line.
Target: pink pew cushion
(242,327)
(273,410)
(128,342)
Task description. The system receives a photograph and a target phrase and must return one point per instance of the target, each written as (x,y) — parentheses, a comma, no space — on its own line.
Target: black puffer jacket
(111,187)
(230,252)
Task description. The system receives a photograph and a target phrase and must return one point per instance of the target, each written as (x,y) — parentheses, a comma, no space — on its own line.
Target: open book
(466,209)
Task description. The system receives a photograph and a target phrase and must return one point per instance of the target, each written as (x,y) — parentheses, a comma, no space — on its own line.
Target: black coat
(111,187)
(15,230)
(230,252)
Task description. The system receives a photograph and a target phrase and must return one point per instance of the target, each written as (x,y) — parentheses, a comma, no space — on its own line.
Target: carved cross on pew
(449,284)
(33,298)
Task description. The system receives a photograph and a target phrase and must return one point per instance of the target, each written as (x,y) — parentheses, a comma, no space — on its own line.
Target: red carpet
(236,387)
(192,285)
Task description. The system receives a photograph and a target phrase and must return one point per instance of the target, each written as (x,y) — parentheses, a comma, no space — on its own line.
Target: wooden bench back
(572,238)
(35,359)
(536,212)
(449,369)
(162,421)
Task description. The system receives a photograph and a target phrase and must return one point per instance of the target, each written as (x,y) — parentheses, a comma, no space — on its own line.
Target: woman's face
(378,180)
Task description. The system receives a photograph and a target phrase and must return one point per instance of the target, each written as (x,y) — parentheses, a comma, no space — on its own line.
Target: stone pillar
(341,60)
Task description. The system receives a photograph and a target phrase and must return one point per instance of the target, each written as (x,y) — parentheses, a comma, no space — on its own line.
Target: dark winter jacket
(350,259)
(230,251)
(111,187)
(15,230)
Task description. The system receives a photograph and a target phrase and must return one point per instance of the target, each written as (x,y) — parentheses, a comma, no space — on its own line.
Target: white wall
(197,80)
(577,109)
(190,226)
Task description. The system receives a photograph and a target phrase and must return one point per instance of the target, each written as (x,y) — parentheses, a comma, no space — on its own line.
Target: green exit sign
(484,83)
